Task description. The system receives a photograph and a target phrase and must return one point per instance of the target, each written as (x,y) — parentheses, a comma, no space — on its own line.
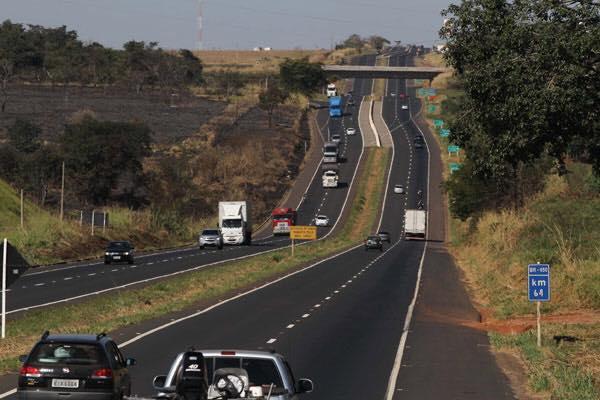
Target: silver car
(211,237)
(268,371)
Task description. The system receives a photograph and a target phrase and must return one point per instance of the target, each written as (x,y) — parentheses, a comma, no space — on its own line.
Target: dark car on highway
(74,367)
(374,242)
(119,251)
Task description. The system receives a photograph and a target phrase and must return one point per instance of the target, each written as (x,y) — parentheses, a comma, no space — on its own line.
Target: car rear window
(260,371)
(210,232)
(67,353)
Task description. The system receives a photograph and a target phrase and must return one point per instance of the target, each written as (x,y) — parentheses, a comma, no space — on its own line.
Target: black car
(118,251)
(74,367)
(384,236)
(373,242)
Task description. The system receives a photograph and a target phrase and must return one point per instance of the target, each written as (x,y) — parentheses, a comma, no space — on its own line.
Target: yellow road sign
(303,232)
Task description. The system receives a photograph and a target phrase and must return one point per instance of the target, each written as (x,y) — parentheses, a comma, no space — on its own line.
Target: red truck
(283,218)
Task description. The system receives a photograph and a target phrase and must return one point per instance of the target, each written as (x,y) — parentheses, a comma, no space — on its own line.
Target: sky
(234,24)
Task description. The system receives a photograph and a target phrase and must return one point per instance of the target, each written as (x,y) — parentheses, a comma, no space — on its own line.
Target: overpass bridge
(375,72)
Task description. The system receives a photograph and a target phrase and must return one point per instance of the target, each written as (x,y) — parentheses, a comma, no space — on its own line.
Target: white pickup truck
(230,374)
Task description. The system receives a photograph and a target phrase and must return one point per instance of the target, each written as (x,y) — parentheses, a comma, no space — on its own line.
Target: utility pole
(22,210)
(62,192)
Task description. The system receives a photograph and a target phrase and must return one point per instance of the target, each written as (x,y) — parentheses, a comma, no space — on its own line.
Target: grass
(559,226)
(568,370)
(379,84)
(123,308)
(253,61)
(45,239)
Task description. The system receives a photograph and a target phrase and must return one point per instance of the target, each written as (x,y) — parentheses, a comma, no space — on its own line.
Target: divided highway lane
(54,284)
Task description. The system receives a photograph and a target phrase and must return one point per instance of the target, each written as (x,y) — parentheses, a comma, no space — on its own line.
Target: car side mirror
(23,358)
(305,385)
(130,362)
(159,384)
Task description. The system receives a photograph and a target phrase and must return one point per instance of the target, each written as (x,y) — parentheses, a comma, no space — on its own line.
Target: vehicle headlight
(126,253)
(107,254)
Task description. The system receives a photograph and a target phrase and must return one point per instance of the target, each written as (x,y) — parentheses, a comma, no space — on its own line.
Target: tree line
(38,54)
(530,71)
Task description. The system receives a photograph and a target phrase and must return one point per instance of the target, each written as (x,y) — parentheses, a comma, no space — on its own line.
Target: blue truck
(335,106)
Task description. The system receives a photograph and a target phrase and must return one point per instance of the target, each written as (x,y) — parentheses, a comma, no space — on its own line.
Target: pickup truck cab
(268,372)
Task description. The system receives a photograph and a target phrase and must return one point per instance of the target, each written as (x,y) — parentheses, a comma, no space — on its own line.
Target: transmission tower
(199,37)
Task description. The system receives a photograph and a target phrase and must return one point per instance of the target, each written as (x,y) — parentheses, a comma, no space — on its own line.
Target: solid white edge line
(9,393)
(318,165)
(401,346)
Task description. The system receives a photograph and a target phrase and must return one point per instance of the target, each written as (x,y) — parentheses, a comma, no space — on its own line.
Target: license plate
(117,257)
(65,383)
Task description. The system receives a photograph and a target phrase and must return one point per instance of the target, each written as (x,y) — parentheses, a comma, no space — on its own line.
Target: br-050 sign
(538,282)
(303,232)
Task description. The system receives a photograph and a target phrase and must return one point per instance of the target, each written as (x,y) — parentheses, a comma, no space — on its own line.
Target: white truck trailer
(234,222)
(415,224)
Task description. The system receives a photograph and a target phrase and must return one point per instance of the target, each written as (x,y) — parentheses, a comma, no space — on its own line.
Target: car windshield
(373,237)
(330,149)
(119,245)
(232,223)
(210,232)
(67,353)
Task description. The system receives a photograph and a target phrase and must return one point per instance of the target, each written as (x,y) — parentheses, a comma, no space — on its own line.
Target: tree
(271,98)
(530,72)
(24,136)
(353,41)
(377,42)
(105,157)
(301,76)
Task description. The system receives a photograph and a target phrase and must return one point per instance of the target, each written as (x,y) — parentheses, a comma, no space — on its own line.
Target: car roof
(238,353)
(321,216)
(119,243)
(75,338)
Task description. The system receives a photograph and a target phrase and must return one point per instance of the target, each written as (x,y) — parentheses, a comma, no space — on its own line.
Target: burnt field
(171,118)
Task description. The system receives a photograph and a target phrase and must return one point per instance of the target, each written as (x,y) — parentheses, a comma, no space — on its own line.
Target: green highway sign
(454,166)
(453,149)
(438,123)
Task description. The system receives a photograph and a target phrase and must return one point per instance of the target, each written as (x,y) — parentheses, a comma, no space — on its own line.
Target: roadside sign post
(538,288)
(5,246)
(302,232)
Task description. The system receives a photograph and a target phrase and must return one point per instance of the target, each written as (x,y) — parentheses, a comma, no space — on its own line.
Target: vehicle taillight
(102,373)
(31,372)
(228,353)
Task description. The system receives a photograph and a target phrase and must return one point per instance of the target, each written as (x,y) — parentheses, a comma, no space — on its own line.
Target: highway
(54,284)
(338,322)
(344,322)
